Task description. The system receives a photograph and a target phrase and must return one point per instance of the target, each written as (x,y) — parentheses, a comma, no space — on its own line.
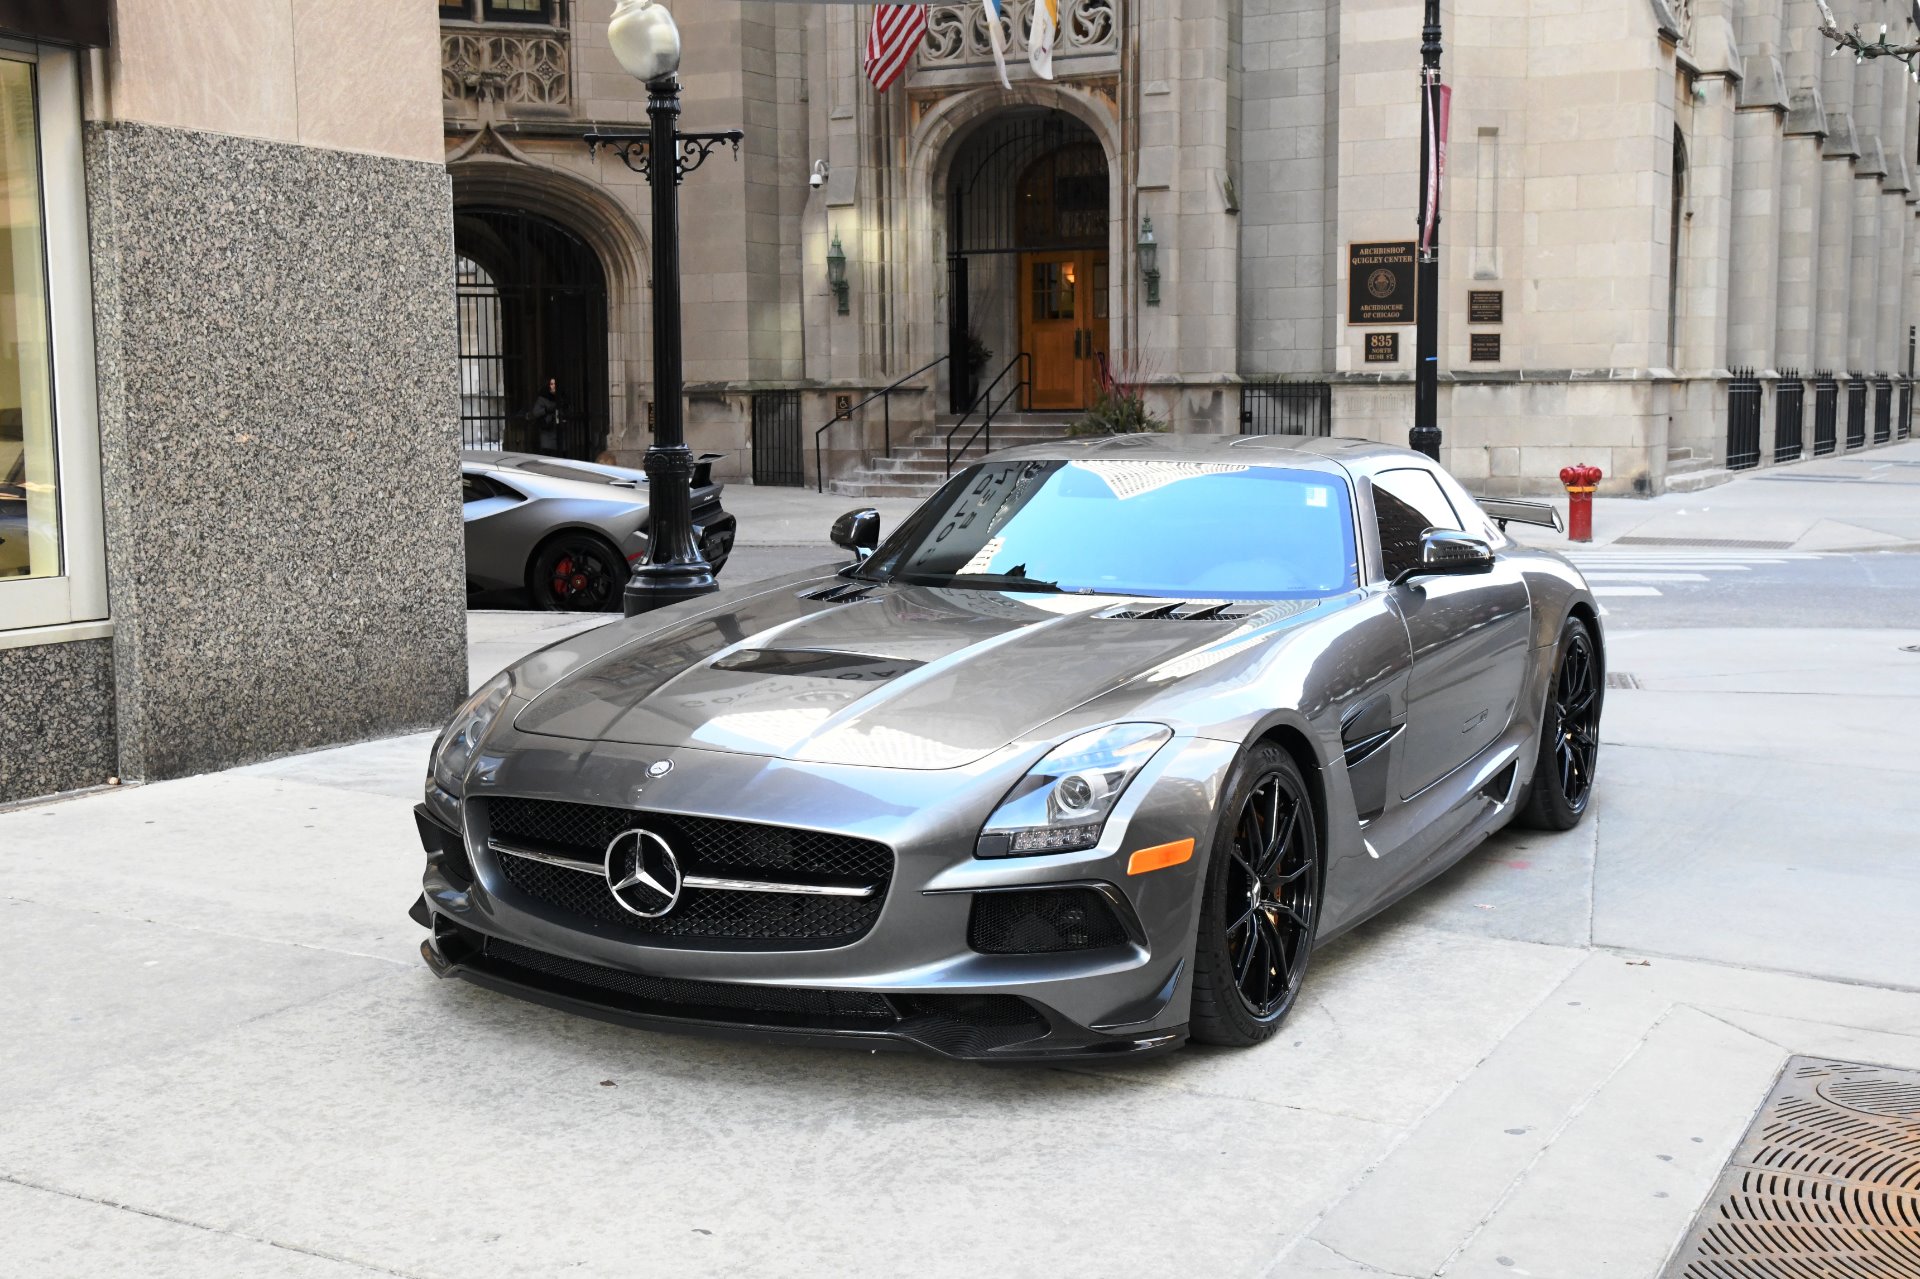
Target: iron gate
(1857,412)
(1903,418)
(1882,410)
(1826,411)
(1743,420)
(1789,404)
(777,458)
(531,304)
(1286,408)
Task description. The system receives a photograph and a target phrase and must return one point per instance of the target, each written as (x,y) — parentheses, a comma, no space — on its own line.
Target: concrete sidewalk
(1861,501)
(224,1055)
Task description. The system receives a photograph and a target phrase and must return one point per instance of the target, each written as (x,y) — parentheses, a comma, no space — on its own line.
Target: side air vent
(839,593)
(1177,611)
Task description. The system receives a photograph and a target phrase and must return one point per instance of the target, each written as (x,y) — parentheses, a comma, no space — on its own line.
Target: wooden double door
(1063,325)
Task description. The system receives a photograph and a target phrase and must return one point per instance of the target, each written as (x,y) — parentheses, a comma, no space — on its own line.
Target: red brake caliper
(563,577)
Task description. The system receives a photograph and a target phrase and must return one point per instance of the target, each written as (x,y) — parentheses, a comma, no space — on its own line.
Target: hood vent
(840,593)
(1178,611)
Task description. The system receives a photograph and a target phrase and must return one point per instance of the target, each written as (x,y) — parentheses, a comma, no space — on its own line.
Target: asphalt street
(225,1057)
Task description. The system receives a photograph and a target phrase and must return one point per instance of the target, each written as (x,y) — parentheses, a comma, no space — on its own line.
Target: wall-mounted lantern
(837,274)
(1149,261)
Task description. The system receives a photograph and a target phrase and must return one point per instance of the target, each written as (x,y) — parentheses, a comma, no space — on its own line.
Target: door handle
(1076,344)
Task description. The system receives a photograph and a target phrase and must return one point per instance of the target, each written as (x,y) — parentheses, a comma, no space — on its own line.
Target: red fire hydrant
(1580,482)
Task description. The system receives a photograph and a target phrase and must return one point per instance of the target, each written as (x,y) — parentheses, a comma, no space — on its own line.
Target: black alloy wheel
(1569,756)
(577,572)
(1261,905)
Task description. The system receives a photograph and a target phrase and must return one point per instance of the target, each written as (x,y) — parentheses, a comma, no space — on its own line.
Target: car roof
(1334,455)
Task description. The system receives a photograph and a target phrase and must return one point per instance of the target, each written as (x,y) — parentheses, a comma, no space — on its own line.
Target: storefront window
(29,477)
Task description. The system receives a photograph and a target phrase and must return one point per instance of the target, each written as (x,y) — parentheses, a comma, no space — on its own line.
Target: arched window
(1676,220)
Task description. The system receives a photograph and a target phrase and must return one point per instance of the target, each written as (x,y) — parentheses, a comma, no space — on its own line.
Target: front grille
(704,846)
(1043,921)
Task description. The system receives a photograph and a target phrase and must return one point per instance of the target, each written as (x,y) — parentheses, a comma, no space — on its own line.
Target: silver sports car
(1083,760)
(568,532)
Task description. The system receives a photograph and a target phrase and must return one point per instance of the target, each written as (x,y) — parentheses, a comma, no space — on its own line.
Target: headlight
(1063,802)
(454,751)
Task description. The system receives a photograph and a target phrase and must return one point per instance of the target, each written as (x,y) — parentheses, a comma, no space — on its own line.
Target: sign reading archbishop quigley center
(1380,283)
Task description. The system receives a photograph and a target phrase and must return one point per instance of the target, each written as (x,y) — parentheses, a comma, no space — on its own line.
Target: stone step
(853,486)
(1694,478)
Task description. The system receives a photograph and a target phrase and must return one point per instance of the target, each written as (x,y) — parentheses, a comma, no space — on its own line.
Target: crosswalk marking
(1631,572)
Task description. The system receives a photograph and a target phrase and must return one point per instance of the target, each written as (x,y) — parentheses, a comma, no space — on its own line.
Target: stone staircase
(1687,472)
(919,466)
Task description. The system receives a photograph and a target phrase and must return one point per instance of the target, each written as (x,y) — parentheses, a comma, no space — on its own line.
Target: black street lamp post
(1425,435)
(676,569)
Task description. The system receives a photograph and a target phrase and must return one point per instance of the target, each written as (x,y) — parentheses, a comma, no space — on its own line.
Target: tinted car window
(1201,529)
(1407,503)
(561,471)
(474,488)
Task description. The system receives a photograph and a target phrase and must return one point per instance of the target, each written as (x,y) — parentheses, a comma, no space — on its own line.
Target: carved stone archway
(937,139)
(502,181)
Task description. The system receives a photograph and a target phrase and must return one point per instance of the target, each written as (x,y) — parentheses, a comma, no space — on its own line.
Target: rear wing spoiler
(1502,509)
(703,469)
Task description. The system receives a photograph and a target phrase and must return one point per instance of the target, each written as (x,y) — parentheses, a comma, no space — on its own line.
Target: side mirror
(1448,553)
(858,531)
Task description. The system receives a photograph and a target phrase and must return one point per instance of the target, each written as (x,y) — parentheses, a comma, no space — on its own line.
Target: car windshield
(1223,530)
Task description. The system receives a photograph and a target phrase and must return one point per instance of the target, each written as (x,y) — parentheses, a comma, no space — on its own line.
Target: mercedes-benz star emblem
(642,873)
(659,768)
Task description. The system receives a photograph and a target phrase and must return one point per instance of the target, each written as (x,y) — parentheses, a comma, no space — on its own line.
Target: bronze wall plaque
(1486,306)
(1383,348)
(842,407)
(1380,283)
(1484,347)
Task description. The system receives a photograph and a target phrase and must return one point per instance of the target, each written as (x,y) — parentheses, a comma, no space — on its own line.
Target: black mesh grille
(1043,921)
(704,846)
(673,996)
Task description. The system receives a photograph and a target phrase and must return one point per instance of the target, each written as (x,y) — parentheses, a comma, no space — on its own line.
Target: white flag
(1046,24)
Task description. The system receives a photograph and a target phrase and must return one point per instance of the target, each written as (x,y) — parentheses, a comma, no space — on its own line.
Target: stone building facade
(226,386)
(1675,232)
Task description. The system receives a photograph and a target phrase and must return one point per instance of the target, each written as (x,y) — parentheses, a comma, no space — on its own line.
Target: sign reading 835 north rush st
(1380,283)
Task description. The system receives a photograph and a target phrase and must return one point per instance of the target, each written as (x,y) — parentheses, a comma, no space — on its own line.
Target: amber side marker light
(1160,856)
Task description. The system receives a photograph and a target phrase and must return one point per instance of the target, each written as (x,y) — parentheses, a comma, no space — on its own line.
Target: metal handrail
(885,395)
(1024,382)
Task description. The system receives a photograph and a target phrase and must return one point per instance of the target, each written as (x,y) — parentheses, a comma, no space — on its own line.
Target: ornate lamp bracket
(636,153)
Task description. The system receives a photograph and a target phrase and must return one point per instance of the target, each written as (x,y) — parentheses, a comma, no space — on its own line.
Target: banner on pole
(1439,107)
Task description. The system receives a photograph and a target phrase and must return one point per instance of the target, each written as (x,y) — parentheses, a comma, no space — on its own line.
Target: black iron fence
(1903,417)
(1883,410)
(1826,411)
(1744,402)
(1789,404)
(777,457)
(1857,412)
(1286,408)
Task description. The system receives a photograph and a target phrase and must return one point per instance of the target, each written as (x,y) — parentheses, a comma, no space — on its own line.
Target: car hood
(907,677)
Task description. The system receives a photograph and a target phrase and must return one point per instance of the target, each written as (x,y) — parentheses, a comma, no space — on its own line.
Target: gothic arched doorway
(533,335)
(1027,262)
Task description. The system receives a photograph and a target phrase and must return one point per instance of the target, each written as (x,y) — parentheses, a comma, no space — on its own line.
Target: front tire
(1563,774)
(579,573)
(1260,908)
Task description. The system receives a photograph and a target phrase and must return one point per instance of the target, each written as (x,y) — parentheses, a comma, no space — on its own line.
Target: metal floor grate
(1825,1185)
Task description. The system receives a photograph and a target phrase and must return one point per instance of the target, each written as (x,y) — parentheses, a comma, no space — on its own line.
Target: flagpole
(1425,435)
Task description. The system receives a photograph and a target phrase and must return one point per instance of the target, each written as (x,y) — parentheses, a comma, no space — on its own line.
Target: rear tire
(1260,907)
(577,572)
(1563,773)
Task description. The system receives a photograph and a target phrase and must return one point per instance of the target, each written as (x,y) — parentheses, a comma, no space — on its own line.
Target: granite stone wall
(56,718)
(279,438)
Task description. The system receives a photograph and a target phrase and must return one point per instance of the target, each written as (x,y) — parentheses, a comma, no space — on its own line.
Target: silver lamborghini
(1083,760)
(566,532)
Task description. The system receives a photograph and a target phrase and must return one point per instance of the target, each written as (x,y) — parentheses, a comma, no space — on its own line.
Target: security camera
(818,178)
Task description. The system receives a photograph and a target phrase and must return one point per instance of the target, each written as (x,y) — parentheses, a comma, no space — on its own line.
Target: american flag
(896,32)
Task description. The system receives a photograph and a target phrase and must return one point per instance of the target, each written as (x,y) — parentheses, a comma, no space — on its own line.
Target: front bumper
(912,980)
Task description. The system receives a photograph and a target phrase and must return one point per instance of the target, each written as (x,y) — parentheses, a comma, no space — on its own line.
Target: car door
(1469,634)
(496,551)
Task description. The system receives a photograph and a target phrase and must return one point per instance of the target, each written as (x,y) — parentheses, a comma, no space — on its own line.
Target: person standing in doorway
(540,426)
